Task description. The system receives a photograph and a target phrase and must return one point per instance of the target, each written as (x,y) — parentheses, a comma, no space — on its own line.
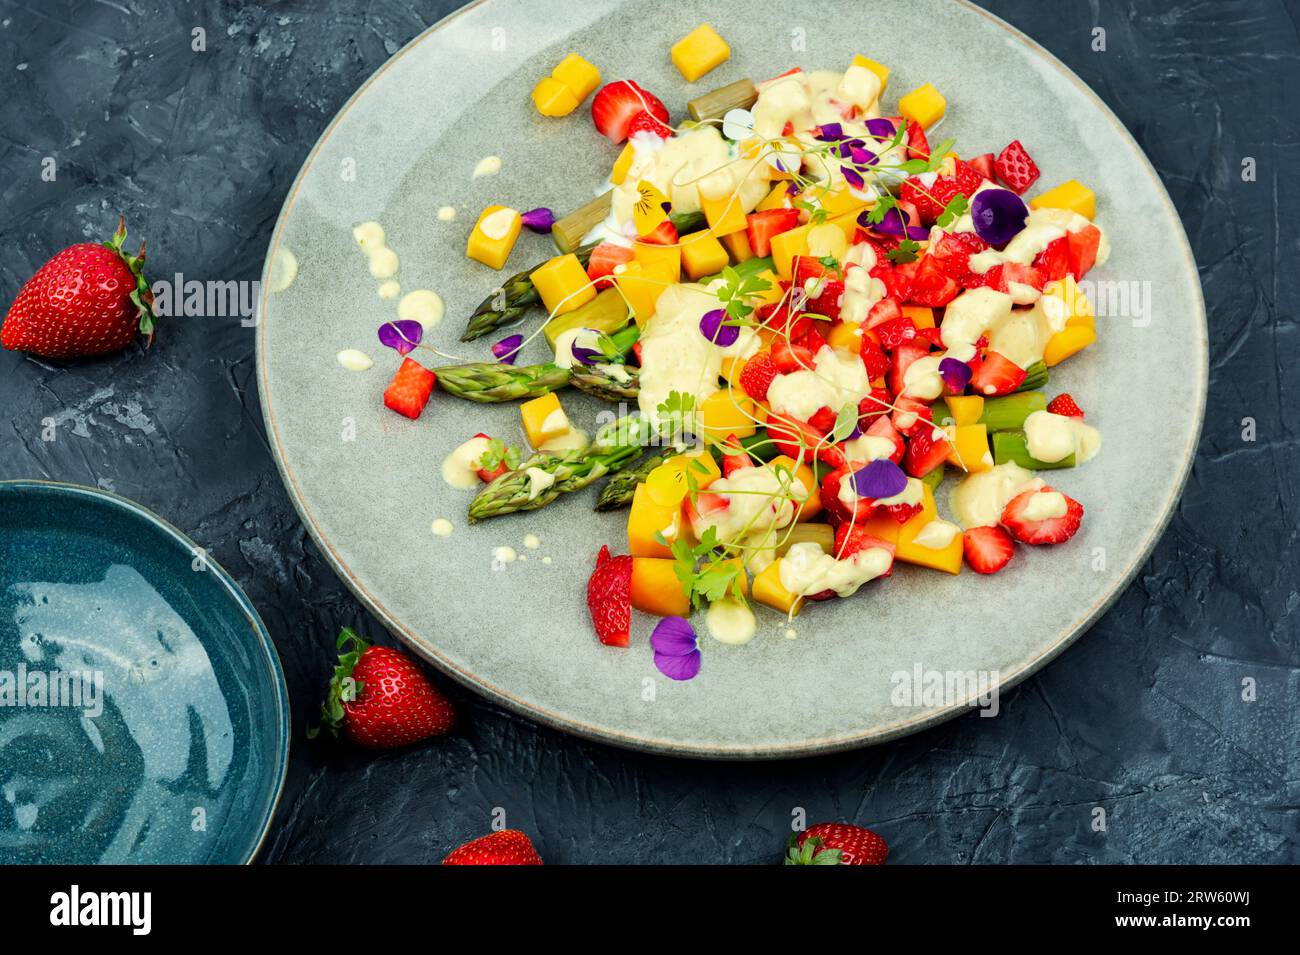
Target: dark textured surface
(1144,716)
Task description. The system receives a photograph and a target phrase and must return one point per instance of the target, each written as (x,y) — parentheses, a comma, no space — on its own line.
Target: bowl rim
(269,653)
(804,748)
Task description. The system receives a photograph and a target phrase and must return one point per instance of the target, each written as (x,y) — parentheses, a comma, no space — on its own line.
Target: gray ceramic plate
(406,144)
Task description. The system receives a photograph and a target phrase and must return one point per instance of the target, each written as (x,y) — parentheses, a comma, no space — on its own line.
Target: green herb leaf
(905,252)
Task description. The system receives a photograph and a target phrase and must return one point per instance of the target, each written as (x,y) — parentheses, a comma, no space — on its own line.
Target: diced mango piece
(773,292)
(647,519)
(722,414)
(947,559)
(835,202)
(847,223)
(778,198)
(924,105)
(660,259)
(731,369)
(845,337)
(553,98)
(544,419)
(622,164)
(1070,339)
(968,447)
(699,51)
(656,588)
(827,239)
(563,284)
(922,316)
(737,246)
(492,246)
(879,69)
(725,214)
(702,254)
(1078,310)
(812,505)
(1072,195)
(965,409)
(882,525)
(580,76)
(785,246)
(769,591)
(642,288)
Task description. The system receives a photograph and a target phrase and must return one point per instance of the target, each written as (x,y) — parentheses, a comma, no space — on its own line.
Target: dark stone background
(1143,716)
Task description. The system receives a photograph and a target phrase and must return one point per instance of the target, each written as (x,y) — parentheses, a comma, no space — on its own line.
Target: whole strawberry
(90,299)
(392,702)
(507,847)
(836,843)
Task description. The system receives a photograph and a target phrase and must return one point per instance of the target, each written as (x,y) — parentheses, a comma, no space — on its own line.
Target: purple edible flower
(829,132)
(894,224)
(401,336)
(507,350)
(956,375)
(852,177)
(881,128)
(539,220)
(880,479)
(712,328)
(677,651)
(998,215)
(862,156)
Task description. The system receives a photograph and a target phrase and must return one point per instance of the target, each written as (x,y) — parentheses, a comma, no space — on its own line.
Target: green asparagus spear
(1012,446)
(620,487)
(544,477)
(1036,376)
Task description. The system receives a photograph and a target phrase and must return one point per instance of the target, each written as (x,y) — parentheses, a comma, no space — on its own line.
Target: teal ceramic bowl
(143,711)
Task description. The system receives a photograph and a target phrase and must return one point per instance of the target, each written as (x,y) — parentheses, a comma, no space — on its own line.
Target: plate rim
(760,751)
(242,600)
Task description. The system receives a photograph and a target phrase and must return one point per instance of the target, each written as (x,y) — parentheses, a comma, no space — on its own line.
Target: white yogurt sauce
(978,499)
(383,263)
(389,290)
(731,622)
(575,439)
(423,306)
(807,569)
(354,360)
(441,527)
(498,224)
(1043,227)
(487,166)
(446,213)
(284,269)
(460,468)
(837,380)
(538,481)
(532,541)
(1045,505)
(936,535)
(1053,437)
(504,555)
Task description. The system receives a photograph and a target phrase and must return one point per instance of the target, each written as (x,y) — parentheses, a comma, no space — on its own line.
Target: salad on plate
(808,312)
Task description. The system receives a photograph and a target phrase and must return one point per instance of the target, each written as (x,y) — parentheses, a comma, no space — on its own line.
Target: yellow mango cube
(737,246)
(879,69)
(965,409)
(1078,310)
(701,467)
(947,559)
(622,164)
(769,591)
(656,588)
(699,51)
(702,254)
(660,259)
(578,75)
(922,316)
(721,414)
(645,521)
(924,105)
(968,447)
(785,246)
(1070,339)
(725,214)
(773,292)
(835,202)
(827,239)
(778,198)
(845,337)
(641,287)
(1072,195)
(544,419)
(553,98)
(563,284)
(494,236)
(883,526)
(812,502)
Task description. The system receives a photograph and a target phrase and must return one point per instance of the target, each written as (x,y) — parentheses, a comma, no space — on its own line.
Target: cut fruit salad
(821,311)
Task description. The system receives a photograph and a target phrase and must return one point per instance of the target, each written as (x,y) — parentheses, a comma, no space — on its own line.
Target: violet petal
(956,375)
(879,479)
(998,215)
(883,129)
(539,220)
(401,336)
(829,132)
(713,328)
(679,668)
(853,178)
(674,637)
(507,350)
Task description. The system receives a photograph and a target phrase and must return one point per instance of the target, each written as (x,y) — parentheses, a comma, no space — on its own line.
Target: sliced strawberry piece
(852,539)
(922,197)
(931,286)
(811,338)
(925,452)
(968,178)
(901,359)
(791,357)
(664,234)
(1002,277)
(953,250)
(840,512)
(636,352)
(609,599)
(616,104)
(983,165)
(874,359)
(733,457)
(1051,530)
(912,415)
(823,420)
(1083,250)
(705,504)
(902,513)
(1054,261)
(994,375)
(895,332)
(604,259)
(883,427)
(796,440)
(646,122)
(886,310)
(1063,404)
(409,391)
(1015,167)
(944,191)
(918,147)
(761,226)
(897,279)
(931,335)
(987,549)
(757,375)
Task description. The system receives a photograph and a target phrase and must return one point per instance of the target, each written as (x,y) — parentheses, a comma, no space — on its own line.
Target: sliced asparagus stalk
(607,312)
(567,233)
(823,535)
(621,486)
(1012,446)
(1036,376)
(1009,412)
(738,95)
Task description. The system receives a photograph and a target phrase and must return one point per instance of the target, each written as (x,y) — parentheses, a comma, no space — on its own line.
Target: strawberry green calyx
(808,854)
(343,688)
(141,295)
